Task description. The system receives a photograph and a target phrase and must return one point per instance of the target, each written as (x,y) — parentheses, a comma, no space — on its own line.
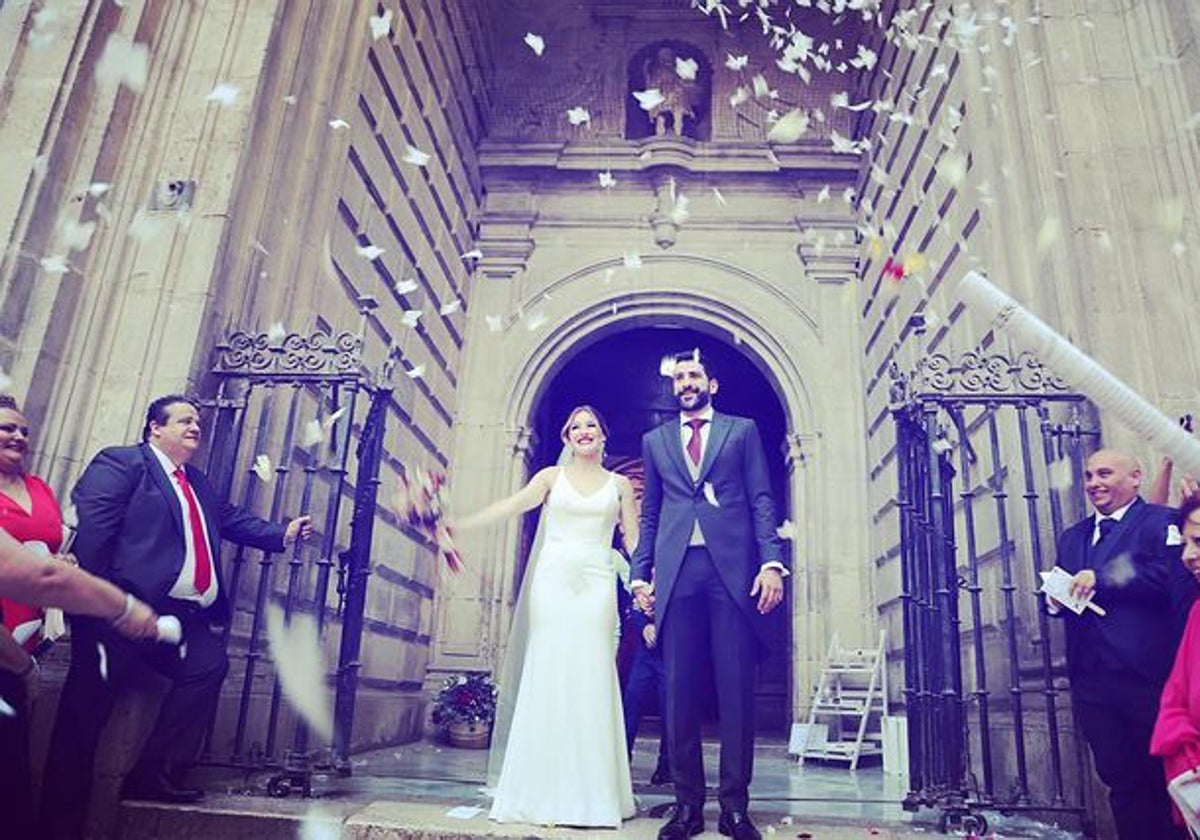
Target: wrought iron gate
(989,452)
(290,412)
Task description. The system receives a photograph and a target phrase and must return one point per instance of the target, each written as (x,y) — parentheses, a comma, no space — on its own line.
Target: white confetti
(790,127)
(823,195)
(56,264)
(686,68)
(738,97)
(313,433)
(476,254)
(450,307)
(786,531)
(102,653)
(370,252)
(494,323)
(953,168)
(761,88)
(649,99)
(632,260)
(41,34)
(76,235)
(710,494)
(536,43)
(680,212)
(535,321)
(381,25)
(848,195)
(6,710)
(666,366)
(405,287)
(262,468)
(296,651)
(98,188)
(289,100)
(338,124)
(607,181)
(410,317)
(415,372)
(276,333)
(123,62)
(223,94)
(719,197)
(415,156)
(578,115)
(1062,475)
(1178,249)
(736,62)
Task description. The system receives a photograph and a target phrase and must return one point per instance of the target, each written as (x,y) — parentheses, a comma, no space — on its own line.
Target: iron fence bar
(1008,587)
(282,471)
(333,508)
(909,619)
(362,525)
(981,694)
(1035,551)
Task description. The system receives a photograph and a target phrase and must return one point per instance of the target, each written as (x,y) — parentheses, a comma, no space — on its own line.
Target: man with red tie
(151,524)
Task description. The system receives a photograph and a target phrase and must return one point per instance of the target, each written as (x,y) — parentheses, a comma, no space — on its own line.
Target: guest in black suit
(708,553)
(1127,557)
(151,524)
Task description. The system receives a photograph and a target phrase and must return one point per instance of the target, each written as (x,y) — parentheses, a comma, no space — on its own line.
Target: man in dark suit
(709,556)
(151,524)
(1127,558)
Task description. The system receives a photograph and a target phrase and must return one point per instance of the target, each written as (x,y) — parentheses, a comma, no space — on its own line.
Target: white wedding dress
(565,761)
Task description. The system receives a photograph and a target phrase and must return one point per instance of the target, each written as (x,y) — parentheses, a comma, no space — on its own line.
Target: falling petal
(823,195)
(450,307)
(381,25)
(296,651)
(102,653)
(56,264)
(578,115)
(736,62)
(415,372)
(405,287)
(666,366)
(790,127)
(686,68)
(410,317)
(494,323)
(75,235)
(649,99)
(786,531)
(738,97)
(632,260)
(98,188)
(472,255)
(6,710)
(680,212)
(914,263)
(607,181)
(1062,474)
(262,468)
(953,168)
(313,433)
(535,43)
(720,198)
(370,252)
(276,333)
(338,124)
(536,321)
(223,94)
(123,62)
(761,88)
(415,156)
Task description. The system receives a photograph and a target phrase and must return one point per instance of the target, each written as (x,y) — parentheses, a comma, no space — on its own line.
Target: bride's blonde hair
(577,410)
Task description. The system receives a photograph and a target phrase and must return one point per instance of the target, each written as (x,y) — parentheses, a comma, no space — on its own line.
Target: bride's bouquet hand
(417,500)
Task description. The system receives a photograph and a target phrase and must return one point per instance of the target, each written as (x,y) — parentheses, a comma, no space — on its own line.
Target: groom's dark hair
(701,358)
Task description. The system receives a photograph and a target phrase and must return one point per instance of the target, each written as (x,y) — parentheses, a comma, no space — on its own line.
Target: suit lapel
(1103,551)
(154,468)
(673,443)
(716,439)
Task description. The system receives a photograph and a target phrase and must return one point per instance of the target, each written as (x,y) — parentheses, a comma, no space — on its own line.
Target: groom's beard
(700,399)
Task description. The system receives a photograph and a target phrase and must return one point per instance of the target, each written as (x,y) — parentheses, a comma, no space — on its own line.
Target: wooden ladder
(845,721)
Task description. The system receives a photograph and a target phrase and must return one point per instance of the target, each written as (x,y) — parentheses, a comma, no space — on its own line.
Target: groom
(708,543)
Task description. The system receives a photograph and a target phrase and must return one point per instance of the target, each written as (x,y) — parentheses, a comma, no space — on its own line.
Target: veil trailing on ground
(508,678)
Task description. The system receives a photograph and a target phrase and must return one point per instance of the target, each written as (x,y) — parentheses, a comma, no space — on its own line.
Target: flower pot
(470,735)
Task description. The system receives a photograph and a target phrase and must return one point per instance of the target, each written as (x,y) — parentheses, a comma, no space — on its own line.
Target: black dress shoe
(736,824)
(687,821)
(661,776)
(159,788)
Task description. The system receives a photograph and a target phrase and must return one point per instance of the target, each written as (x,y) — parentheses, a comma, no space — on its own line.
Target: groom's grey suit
(702,593)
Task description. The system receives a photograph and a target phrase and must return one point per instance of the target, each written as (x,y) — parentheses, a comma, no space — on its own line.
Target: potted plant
(465,708)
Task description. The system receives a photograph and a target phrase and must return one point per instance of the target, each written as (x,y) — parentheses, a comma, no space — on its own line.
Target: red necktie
(693,444)
(203,575)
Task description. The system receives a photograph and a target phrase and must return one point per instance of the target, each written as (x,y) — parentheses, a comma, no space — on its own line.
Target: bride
(558,746)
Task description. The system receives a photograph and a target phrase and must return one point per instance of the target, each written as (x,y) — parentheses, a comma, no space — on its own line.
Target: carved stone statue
(679,95)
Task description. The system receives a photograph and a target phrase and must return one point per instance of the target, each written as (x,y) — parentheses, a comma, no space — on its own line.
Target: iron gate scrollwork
(287,417)
(989,451)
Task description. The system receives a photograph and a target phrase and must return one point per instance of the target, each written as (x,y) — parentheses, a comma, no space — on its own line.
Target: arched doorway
(619,375)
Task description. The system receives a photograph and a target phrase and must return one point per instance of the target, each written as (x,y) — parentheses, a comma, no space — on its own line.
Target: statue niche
(683,108)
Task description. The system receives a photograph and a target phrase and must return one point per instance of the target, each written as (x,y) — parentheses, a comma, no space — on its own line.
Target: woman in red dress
(30,514)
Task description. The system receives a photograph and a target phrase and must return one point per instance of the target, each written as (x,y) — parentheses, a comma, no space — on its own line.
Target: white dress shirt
(685,437)
(1115,516)
(185,585)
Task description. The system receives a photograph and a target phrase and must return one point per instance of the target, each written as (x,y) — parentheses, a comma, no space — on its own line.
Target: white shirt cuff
(777,566)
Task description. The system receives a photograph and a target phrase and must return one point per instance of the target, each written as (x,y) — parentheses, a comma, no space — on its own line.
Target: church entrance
(619,375)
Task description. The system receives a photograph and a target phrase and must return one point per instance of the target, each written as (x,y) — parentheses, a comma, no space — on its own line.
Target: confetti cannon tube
(1084,373)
